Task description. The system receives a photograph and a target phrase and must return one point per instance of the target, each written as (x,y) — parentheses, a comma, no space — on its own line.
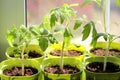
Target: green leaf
(23,29)
(53,19)
(62,17)
(67,11)
(43,31)
(54,10)
(59,28)
(43,43)
(94,31)
(52,39)
(67,36)
(67,41)
(85,2)
(98,2)
(95,38)
(118,2)
(67,32)
(33,30)
(86,31)
(22,33)
(46,22)
(27,37)
(11,35)
(78,23)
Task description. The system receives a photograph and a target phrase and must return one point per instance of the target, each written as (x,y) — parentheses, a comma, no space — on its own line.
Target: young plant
(58,21)
(19,38)
(63,16)
(109,38)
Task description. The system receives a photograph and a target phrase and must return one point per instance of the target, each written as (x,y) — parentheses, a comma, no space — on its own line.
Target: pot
(31,47)
(56,61)
(75,47)
(102,76)
(8,64)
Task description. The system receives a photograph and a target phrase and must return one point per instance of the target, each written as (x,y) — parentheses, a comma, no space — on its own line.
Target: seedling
(58,21)
(109,38)
(19,38)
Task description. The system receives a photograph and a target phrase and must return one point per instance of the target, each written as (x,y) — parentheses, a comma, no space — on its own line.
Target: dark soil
(98,67)
(69,53)
(66,70)
(31,54)
(101,52)
(34,54)
(17,71)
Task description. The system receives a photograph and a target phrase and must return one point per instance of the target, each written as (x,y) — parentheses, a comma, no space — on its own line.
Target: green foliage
(98,2)
(52,39)
(53,19)
(43,42)
(56,21)
(44,31)
(11,35)
(59,28)
(78,23)
(18,37)
(43,35)
(88,29)
(118,2)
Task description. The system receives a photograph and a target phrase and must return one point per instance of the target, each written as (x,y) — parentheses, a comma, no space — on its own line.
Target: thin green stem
(106,53)
(104,21)
(105,7)
(22,54)
(62,56)
(104,18)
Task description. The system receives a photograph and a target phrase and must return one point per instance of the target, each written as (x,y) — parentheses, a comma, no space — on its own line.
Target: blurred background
(36,9)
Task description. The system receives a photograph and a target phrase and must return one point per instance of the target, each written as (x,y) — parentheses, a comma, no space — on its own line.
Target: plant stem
(106,16)
(22,60)
(62,55)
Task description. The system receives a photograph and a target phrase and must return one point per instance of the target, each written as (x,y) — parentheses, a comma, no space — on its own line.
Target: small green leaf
(67,32)
(11,35)
(67,41)
(52,39)
(94,31)
(98,2)
(46,22)
(54,10)
(43,31)
(95,38)
(43,43)
(118,2)
(86,31)
(62,18)
(53,19)
(59,28)
(78,23)
(86,2)
(33,31)
(67,36)
(23,29)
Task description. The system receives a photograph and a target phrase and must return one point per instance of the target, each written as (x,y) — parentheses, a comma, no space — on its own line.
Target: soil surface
(17,71)
(66,70)
(98,67)
(34,54)
(31,54)
(69,53)
(101,52)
